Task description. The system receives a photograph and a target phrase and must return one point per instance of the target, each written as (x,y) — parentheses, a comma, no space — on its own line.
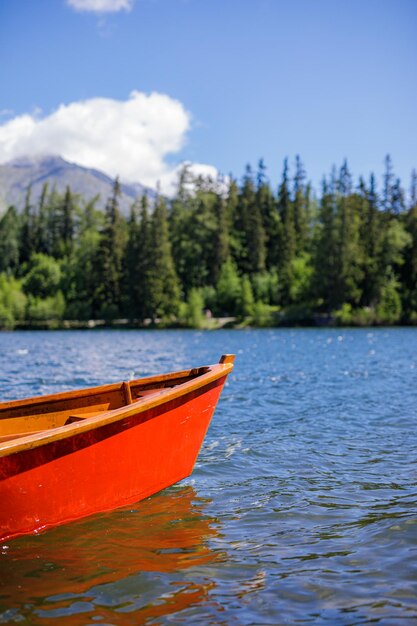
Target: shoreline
(213,324)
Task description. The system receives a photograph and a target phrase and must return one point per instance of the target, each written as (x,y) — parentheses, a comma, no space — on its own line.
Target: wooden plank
(205,376)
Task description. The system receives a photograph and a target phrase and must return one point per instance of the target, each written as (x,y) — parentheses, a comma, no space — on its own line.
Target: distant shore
(215,323)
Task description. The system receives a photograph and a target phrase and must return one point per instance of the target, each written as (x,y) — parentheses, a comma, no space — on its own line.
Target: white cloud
(131,139)
(101,6)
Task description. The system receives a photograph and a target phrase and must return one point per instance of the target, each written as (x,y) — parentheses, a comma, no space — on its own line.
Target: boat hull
(113,465)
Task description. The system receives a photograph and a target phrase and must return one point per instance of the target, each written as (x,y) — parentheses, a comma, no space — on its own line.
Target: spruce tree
(288,245)
(28,239)
(413,189)
(182,238)
(222,237)
(371,238)
(107,301)
(231,207)
(301,206)
(163,286)
(252,253)
(129,265)
(9,241)
(326,250)
(138,259)
(66,223)
(410,266)
(350,257)
(268,211)
(388,185)
(81,280)
(43,235)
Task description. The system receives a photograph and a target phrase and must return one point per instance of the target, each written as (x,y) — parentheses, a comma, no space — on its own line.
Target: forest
(258,253)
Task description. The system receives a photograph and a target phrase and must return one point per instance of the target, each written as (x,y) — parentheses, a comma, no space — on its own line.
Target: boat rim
(211,374)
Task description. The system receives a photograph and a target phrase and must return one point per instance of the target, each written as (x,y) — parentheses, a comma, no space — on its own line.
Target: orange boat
(69,455)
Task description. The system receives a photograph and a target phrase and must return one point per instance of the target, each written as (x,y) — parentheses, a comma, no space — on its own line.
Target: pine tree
(350,257)
(28,239)
(107,301)
(413,189)
(371,238)
(344,182)
(252,253)
(129,265)
(66,223)
(326,250)
(247,300)
(397,198)
(9,241)
(182,233)
(231,208)
(388,185)
(228,290)
(222,237)
(43,235)
(301,206)
(288,245)
(410,266)
(163,285)
(266,203)
(80,279)
(138,259)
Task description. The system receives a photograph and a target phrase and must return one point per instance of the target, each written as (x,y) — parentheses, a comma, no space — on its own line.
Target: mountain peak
(34,171)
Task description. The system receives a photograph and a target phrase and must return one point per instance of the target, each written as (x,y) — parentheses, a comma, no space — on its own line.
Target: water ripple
(302,507)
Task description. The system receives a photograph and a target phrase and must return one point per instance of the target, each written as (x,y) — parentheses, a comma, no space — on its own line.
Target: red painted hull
(113,465)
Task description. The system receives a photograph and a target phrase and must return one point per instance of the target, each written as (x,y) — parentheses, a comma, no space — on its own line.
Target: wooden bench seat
(78,417)
(11,436)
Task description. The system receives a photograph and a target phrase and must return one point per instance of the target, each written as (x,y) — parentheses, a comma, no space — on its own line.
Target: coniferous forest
(261,252)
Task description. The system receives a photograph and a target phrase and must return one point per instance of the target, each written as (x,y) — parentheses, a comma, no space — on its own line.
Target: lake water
(302,508)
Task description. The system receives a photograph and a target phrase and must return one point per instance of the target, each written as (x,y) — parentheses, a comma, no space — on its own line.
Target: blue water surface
(302,508)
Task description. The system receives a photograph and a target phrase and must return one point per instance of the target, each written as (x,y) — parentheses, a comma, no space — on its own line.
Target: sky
(136,87)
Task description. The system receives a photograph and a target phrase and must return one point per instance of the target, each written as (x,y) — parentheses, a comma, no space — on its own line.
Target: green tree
(42,223)
(231,207)
(301,203)
(43,278)
(268,210)
(350,257)
(79,280)
(302,273)
(228,289)
(388,184)
(66,224)
(107,300)
(251,252)
(163,286)
(12,301)
(409,272)
(326,250)
(28,239)
(48,309)
(138,261)
(193,315)
(389,308)
(222,248)
(247,302)
(288,242)
(9,241)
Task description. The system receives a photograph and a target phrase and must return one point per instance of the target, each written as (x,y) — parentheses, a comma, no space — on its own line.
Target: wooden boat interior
(20,418)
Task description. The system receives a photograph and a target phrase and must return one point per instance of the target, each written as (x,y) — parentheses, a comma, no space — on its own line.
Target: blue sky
(231,81)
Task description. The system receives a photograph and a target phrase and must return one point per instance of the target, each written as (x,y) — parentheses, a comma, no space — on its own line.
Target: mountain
(19,174)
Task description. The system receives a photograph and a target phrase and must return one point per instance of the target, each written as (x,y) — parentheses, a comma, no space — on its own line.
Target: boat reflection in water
(114,567)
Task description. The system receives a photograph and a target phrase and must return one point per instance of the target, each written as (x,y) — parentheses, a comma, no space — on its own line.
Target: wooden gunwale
(102,389)
(211,374)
